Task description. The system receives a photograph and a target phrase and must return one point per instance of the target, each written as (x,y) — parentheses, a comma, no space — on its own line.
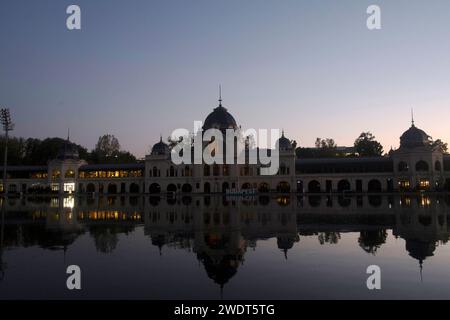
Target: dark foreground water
(214,247)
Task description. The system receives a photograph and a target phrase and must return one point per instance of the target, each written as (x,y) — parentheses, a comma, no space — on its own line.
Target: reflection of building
(219,231)
(417,164)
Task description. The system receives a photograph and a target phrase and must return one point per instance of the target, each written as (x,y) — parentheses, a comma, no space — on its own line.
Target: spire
(68,134)
(220,95)
(421,268)
(412,117)
(160,138)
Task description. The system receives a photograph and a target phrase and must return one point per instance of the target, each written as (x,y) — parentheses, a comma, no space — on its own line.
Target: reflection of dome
(414,137)
(68,151)
(220,119)
(160,148)
(420,250)
(222,271)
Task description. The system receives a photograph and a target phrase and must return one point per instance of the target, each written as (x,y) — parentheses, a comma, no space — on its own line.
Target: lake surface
(231,248)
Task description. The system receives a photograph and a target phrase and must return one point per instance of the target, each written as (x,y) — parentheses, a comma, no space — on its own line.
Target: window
(70,174)
(422,166)
(56,174)
(404,184)
(438,166)
(403,166)
(424,183)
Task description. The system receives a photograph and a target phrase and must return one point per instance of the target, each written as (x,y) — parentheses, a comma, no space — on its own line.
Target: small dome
(160,148)
(284,143)
(414,137)
(220,119)
(68,151)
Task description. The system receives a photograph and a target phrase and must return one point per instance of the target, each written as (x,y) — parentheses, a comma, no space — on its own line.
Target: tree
(107,145)
(107,150)
(440,144)
(367,146)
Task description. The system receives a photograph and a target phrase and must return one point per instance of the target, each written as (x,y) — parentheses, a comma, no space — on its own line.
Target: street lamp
(5,119)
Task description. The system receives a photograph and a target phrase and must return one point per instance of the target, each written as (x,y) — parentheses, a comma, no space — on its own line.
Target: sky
(139,69)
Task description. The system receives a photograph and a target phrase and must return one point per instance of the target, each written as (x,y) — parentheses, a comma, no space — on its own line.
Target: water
(230,248)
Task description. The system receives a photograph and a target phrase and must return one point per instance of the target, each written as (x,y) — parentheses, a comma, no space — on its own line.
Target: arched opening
(344,185)
(264,187)
(70,174)
(112,188)
(422,166)
(90,188)
(314,186)
(225,187)
(207,188)
(438,166)
(56,174)
(246,186)
(186,188)
(155,172)
(134,188)
(283,169)
(374,186)
(171,188)
(154,188)
(283,187)
(403,166)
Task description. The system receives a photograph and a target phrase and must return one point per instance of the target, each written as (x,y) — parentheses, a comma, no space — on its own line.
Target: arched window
(422,166)
(206,170)
(56,174)
(216,170)
(172,171)
(403,166)
(70,174)
(155,172)
(438,166)
(282,170)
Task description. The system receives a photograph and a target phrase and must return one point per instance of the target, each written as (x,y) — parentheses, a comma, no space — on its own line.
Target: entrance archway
(154,188)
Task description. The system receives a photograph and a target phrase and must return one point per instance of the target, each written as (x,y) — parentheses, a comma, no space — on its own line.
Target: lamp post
(5,119)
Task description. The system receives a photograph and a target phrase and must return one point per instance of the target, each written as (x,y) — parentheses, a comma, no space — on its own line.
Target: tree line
(32,151)
(365,145)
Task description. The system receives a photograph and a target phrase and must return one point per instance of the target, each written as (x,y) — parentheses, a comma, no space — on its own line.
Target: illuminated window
(404,184)
(69,187)
(70,174)
(56,174)
(424,183)
(55,186)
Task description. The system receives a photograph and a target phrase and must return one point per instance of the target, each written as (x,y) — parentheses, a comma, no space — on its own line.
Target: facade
(415,165)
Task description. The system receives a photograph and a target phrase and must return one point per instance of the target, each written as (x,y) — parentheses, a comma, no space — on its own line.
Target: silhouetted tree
(107,150)
(439,143)
(367,146)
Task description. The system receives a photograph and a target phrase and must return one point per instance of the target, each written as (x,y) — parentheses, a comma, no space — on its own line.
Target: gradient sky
(141,68)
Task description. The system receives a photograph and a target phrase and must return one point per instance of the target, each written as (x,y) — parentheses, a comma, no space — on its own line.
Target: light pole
(5,119)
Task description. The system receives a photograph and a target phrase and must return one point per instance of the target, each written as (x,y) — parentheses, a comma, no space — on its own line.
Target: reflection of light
(425,201)
(69,202)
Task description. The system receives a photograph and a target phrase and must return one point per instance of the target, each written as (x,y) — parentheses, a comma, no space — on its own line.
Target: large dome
(220,119)
(414,137)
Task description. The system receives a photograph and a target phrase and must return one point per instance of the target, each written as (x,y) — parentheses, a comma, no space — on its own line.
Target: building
(415,165)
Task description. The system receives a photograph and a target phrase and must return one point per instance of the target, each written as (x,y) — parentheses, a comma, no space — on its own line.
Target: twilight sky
(141,68)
